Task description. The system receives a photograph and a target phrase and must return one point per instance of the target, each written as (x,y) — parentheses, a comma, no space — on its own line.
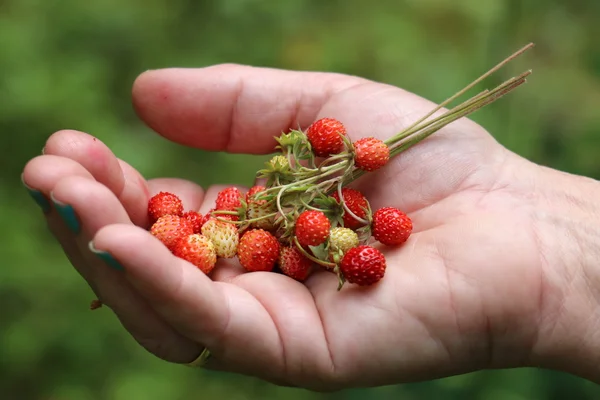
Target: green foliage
(70,64)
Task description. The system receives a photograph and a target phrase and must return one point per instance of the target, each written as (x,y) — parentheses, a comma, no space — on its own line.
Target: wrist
(566,218)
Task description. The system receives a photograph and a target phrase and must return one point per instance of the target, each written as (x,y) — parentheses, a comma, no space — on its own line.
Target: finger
(91,153)
(39,177)
(95,202)
(135,195)
(122,179)
(96,206)
(209,312)
(230,107)
(42,173)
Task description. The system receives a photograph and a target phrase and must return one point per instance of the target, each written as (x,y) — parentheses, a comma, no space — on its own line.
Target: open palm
(454,297)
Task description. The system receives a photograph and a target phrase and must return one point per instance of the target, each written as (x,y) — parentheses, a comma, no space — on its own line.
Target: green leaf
(320,252)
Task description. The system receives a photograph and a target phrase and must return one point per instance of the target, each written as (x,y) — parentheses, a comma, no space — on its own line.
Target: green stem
(466,108)
(467,105)
(306,205)
(311,257)
(468,87)
(341,196)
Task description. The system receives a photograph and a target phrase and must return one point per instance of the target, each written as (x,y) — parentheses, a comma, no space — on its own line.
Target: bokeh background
(70,64)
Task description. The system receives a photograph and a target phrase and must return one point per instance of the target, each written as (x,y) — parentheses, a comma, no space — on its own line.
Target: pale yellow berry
(342,239)
(279,163)
(223,235)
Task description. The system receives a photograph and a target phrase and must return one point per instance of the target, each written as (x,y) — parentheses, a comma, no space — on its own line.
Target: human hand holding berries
(462,294)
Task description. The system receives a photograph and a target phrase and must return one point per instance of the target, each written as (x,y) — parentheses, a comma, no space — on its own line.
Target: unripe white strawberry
(260,209)
(223,235)
(342,239)
(279,163)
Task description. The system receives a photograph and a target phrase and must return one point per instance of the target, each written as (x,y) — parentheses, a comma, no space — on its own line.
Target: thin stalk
(471,85)
(356,217)
(480,102)
(311,257)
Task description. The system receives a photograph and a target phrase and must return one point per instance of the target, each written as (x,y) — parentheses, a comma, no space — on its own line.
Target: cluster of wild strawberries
(306,216)
(303,218)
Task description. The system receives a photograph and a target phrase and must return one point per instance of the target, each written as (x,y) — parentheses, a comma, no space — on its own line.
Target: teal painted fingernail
(38,197)
(67,213)
(106,257)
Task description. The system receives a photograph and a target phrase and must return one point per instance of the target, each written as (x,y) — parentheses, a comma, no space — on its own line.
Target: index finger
(233,108)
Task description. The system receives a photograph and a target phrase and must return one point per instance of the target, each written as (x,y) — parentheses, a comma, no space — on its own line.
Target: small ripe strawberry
(357,203)
(391,226)
(170,228)
(370,154)
(363,265)
(258,250)
(198,250)
(223,235)
(195,218)
(325,136)
(254,190)
(312,228)
(209,215)
(293,264)
(164,203)
(342,239)
(229,199)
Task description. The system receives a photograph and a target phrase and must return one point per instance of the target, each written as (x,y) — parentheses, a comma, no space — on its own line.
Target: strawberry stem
(464,90)
(294,186)
(311,257)
(346,208)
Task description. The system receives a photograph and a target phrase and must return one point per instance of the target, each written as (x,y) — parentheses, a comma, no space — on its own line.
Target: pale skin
(500,272)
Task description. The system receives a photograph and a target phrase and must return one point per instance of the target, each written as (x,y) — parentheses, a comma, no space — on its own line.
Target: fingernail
(67,213)
(106,257)
(38,197)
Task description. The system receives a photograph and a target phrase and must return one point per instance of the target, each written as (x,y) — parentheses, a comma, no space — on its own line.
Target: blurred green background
(70,64)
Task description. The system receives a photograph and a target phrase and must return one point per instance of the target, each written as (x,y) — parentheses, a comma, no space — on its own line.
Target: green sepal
(341,279)
(320,252)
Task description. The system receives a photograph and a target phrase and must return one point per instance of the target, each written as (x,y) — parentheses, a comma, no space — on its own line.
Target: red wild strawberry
(170,228)
(209,215)
(229,199)
(325,136)
(357,203)
(391,226)
(253,191)
(363,265)
(164,203)
(258,250)
(312,228)
(195,218)
(293,264)
(198,250)
(370,154)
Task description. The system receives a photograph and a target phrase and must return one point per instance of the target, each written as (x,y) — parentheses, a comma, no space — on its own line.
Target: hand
(480,283)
